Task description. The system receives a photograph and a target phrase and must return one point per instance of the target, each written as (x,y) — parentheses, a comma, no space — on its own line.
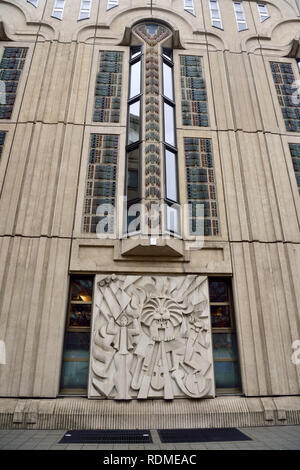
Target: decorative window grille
(189,6)
(215,14)
(201,187)
(58,10)
(33,2)
(85,9)
(284,78)
(2,140)
(193,91)
(240,16)
(108,87)
(263,12)
(75,365)
(295,153)
(112,4)
(101,183)
(11,67)
(225,349)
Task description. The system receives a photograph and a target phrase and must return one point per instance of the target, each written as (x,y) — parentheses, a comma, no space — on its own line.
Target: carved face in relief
(162,315)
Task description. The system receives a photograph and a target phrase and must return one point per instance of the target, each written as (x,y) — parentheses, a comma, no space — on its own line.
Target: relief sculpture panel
(151,338)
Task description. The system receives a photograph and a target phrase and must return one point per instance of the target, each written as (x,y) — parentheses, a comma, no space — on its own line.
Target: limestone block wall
(44,163)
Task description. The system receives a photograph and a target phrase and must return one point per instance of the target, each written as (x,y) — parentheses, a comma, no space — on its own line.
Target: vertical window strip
(225,350)
(215,14)
(240,16)
(58,9)
(75,367)
(33,2)
(189,6)
(295,154)
(11,67)
(201,187)
(284,77)
(170,143)
(2,140)
(108,87)
(193,91)
(101,183)
(111,4)
(85,9)
(133,150)
(263,12)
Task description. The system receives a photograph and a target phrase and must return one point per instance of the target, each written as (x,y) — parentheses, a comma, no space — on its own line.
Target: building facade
(149,229)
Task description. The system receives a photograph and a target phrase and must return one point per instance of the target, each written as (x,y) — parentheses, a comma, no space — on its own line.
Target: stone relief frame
(151,338)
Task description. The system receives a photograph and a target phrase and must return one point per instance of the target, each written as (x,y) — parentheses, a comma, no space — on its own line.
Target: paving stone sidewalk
(263,438)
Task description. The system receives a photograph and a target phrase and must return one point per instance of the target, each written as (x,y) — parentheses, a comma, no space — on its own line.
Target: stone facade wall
(43,173)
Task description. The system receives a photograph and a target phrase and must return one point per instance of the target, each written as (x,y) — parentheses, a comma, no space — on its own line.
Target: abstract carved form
(151,338)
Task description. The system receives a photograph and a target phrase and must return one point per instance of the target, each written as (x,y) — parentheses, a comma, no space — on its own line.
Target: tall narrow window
(193,92)
(112,4)
(215,14)
(225,350)
(240,16)
(263,12)
(2,139)
(58,10)
(108,87)
(189,6)
(75,367)
(201,187)
(170,144)
(295,154)
(33,2)
(133,175)
(284,78)
(100,196)
(11,67)
(85,9)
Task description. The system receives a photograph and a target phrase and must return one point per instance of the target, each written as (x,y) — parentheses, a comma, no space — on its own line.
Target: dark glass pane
(227,375)
(218,291)
(133,175)
(220,316)
(135,79)
(168,81)
(77,345)
(80,315)
(171,176)
(81,289)
(169,124)
(225,346)
(168,53)
(134,123)
(135,52)
(74,375)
